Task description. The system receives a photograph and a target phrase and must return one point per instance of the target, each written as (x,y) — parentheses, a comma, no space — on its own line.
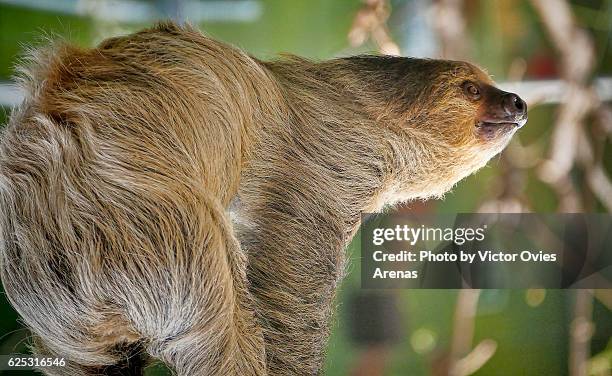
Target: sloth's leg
(172,281)
(219,335)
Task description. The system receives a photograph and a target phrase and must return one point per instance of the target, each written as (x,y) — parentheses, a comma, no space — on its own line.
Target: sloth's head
(454,101)
(448,115)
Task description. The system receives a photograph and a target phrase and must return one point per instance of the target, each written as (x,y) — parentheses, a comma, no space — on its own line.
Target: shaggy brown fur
(165,191)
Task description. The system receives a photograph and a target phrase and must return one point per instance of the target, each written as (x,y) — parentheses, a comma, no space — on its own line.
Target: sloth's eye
(472,90)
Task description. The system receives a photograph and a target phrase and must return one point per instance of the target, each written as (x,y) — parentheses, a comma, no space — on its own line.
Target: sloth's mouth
(490,130)
(509,122)
(484,124)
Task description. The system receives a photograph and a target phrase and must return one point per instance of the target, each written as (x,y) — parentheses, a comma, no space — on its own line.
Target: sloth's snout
(514,105)
(502,108)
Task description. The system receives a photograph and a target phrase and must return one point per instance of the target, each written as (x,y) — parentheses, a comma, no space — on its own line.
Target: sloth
(167,196)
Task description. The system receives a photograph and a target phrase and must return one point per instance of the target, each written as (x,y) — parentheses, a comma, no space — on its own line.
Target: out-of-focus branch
(477,358)
(465,312)
(581,333)
(574,44)
(577,104)
(371,23)
(539,92)
(465,360)
(604,119)
(448,22)
(570,144)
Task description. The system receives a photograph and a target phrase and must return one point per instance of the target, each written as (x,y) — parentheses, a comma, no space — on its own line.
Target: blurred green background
(531,329)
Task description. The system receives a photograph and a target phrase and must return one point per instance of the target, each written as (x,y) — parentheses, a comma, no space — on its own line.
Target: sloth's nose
(514,105)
